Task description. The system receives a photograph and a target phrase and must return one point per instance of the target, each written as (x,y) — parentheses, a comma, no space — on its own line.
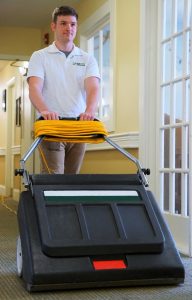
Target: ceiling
(29,13)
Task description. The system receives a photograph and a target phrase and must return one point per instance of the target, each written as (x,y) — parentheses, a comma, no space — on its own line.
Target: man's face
(65,28)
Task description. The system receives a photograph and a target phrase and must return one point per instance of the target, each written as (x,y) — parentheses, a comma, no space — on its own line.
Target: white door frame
(8,149)
(148,89)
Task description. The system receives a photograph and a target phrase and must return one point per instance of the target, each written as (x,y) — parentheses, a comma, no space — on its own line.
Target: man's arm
(92,97)
(36,97)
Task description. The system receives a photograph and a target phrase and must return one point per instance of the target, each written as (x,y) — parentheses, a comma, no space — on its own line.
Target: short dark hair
(63,11)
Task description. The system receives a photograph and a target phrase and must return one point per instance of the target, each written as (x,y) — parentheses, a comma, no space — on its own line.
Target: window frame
(105,14)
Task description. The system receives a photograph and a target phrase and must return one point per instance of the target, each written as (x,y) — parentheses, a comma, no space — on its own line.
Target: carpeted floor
(11,286)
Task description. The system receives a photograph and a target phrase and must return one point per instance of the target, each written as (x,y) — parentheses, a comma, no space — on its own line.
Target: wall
(127,76)
(108,162)
(19,41)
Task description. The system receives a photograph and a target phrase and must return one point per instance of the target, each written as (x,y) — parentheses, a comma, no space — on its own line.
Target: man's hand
(49,115)
(86,116)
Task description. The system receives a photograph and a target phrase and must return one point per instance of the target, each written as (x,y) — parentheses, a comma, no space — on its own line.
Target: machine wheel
(19,258)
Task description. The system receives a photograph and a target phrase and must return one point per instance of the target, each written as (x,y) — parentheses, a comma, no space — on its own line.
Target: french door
(174,117)
(168,99)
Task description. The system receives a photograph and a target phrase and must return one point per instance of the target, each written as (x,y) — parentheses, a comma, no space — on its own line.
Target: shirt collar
(53,49)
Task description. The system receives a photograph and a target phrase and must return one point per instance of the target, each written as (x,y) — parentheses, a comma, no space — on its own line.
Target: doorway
(16,128)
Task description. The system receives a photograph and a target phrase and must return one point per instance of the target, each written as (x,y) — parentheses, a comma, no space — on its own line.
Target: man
(63,82)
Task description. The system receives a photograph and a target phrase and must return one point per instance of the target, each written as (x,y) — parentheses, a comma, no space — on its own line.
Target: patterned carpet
(11,286)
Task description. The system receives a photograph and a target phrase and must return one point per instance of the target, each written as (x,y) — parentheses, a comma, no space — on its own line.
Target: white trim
(124,140)
(16,150)
(2,151)
(90,193)
(84,28)
(148,92)
(180,228)
(190,156)
(11,84)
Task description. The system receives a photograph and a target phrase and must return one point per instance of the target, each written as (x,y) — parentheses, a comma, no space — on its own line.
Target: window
(99,46)
(96,38)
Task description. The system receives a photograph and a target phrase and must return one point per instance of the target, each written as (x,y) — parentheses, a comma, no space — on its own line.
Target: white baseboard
(16,194)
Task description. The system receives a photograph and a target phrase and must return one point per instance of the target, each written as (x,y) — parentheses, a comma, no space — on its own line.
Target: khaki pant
(62,157)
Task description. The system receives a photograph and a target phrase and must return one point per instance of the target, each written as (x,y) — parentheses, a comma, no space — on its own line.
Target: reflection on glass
(96,47)
(106,71)
(167,13)
(166,104)
(178,193)
(187,99)
(179,15)
(187,195)
(187,162)
(166,147)
(188,50)
(166,192)
(189,12)
(167,51)
(178,102)
(178,147)
(178,63)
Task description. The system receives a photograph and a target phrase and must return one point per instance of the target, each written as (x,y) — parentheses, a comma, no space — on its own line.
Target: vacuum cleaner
(92,231)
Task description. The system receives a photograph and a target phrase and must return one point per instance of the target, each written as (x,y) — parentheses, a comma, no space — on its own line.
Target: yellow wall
(19,41)
(108,162)
(86,7)
(127,76)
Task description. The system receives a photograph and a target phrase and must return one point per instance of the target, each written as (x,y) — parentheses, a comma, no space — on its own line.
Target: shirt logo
(78,64)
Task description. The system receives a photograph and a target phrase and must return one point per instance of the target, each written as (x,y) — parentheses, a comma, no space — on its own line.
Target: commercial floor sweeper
(92,230)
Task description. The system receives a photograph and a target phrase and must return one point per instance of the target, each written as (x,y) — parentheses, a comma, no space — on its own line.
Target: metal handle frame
(26,181)
(132,158)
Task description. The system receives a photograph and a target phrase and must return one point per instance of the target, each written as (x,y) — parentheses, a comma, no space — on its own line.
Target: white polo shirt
(63,88)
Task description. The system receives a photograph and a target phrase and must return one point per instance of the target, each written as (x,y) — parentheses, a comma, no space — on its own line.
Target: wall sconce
(4,100)
(46,38)
(22,65)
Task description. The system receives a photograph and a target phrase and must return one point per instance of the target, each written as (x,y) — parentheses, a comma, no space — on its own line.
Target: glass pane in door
(179,15)
(166,192)
(166,104)
(178,147)
(167,55)
(106,71)
(178,193)
(167,13)
(166,148)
